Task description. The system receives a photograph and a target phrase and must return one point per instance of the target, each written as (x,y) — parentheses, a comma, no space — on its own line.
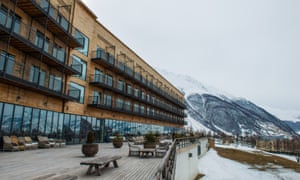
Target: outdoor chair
(14,140)
(29,144)
(8,145)
(134,150)
(161,150)
(43,142)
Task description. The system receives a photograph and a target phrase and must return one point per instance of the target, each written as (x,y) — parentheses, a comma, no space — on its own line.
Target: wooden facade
(57,56)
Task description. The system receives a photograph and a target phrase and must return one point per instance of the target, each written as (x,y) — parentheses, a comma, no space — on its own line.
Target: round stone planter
(89,150)
(117,144)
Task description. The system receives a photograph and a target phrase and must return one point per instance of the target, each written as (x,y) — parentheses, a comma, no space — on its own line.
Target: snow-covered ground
(216,167)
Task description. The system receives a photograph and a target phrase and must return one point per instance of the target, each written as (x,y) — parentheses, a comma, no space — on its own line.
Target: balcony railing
(22,75)
(105,59)
(27,39)
(46,14)
(114,105)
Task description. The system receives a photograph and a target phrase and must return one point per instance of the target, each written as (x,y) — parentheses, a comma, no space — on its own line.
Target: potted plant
(89,149)
(150,140)
(118,141)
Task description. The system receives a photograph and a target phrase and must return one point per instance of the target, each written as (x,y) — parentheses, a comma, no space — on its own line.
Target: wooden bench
(102,161)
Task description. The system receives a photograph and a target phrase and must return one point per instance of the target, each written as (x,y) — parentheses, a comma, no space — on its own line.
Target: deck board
(64,163)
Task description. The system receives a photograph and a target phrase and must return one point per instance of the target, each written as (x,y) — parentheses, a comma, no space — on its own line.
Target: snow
(195,125)
(215,167)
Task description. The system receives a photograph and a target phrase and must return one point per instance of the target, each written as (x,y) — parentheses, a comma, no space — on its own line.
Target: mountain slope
(221,112)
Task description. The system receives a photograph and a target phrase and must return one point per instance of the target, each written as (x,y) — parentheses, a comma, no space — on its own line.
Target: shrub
(150,137)
(90,137)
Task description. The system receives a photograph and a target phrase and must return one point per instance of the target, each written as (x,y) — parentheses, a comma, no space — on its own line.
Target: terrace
(59,163)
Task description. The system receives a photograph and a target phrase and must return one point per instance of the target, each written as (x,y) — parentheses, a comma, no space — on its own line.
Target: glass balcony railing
(31,77)
(41,10)
(28,39)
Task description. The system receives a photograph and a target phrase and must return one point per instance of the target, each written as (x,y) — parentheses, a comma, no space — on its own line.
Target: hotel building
(62,73)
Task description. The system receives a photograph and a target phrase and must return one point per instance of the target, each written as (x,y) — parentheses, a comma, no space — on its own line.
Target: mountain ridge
(221,112)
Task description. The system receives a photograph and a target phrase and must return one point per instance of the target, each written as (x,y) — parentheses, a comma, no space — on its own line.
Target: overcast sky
(248,48)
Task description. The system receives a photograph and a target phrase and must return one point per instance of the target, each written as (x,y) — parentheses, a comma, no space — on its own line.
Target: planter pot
(89,150)
(118,144)
(150,145)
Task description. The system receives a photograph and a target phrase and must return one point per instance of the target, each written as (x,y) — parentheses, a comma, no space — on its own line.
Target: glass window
(54,125)
(18,120)
(136,92)
(7,118)
(82,67)
(107,100)
(128,105)
(120,85)
(72,126)
(55,83)
(39,39)
(67,133)
(1,108)
(109,80)
(98,76)
(59,53)
(143,95)
(76,91)
(96,99)
(129,89)
(111,59)
(142,110)
(9,60)
(136,108)
(3,15)
(26,121)
(49,122)
(100,53)
(17,24)
(42,122)
(64,23)
(60,126)
(35,122)
(120,103)
(37,75)
(84,49)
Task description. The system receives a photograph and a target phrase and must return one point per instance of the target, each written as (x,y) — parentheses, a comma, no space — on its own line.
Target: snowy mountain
(210,109)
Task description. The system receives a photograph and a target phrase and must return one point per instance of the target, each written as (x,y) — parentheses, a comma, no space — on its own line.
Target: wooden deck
(64,163)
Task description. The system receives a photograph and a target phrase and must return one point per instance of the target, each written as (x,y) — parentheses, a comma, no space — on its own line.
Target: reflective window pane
(17,121)
(48,123)
(42,123)
(35,122)
(27,121)
(7,119)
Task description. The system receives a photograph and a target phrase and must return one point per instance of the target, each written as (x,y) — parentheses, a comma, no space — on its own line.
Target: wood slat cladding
(167,102)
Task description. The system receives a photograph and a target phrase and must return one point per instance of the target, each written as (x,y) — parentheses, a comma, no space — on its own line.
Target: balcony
(113,105)
(47,15)
(104,59)
(29,40)
(20,75)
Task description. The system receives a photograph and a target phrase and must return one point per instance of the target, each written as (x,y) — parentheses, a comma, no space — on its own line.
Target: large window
(59,53)
(107,100)
(7,118)
(109,80)
(55,83)
(35,122)
(127,105)
(17,120)
(7,62)
(136,92)
(136,108)
(27,120)
(82,66)
(120,103)
(84,49)
(96,99)
(76,91)
(128,89)
(37,76)
(98,76)
(120,85)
